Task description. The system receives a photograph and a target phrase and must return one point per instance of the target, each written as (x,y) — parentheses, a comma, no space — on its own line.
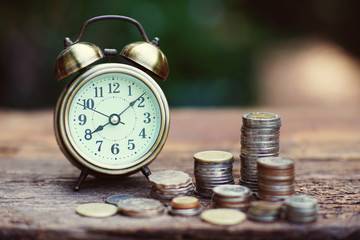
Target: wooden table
(37,200)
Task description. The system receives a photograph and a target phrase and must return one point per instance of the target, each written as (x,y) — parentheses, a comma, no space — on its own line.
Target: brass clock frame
(77,57)
(61,120)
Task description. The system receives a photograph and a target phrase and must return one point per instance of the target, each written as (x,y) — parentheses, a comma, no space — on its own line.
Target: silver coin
(169,196)
(213,175)
(262,218)
(215,179)
(298,214)
(301,201)
(272,198)
(116,198)
(214,183)
(169,190)
(259,144)
(302,219)
(232,191)
(260,131)
(233,200)
(260,150)
(205,193)
(258,155)
(185,212)
(139,204)
(213,169)
(149,213)
(258,137)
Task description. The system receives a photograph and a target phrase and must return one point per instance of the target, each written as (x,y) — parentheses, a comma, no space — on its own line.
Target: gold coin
(222,216)
(213,156)
(185,202)
(96,210)
(261,116)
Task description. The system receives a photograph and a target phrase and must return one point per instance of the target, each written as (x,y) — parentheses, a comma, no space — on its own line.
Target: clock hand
(99,128)
(131,104)
(93,110)
(114,119)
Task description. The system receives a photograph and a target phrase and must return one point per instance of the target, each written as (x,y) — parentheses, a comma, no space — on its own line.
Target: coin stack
(140,207)
(231,196)
(260,134)
(170,183)
(301,208)
(264,211)
(275,178)
(185,206)
(211,169)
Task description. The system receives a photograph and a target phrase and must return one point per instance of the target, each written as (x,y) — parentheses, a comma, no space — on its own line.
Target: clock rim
(62,128)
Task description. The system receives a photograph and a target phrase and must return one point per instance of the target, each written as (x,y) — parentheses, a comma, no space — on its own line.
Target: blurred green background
(211,45)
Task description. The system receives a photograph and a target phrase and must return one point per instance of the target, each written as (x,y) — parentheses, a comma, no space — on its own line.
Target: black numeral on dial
(114,87)
(115,149)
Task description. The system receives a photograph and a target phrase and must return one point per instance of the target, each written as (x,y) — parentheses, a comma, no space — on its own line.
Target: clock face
(114,119)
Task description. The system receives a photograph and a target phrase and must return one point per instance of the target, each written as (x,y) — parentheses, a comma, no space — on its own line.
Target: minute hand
(131,104)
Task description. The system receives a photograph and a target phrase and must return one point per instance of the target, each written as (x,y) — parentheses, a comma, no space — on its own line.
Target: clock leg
(146,171)
(84,173)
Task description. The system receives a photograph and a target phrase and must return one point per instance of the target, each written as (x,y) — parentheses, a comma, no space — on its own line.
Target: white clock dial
(114,119)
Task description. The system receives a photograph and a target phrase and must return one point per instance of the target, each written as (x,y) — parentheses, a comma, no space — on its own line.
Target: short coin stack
(260,134)
(264,211)
(185,206)
(169,184)
(211,169)
(231,196)
(301,209)
(275,178)
(140,207)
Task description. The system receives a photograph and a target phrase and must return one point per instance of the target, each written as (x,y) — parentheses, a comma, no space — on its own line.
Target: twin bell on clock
(112,119)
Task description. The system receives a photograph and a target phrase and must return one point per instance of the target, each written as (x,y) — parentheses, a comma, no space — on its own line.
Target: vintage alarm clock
(112,119)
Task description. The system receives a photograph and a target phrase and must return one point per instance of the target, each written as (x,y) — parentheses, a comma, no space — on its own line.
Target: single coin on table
(140,207)
(222,216)
(96,210)
(116,198)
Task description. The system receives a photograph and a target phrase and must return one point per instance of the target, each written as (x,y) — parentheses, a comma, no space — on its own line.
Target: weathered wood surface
(37,200)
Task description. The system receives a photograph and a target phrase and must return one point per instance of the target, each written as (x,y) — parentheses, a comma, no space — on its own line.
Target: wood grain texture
(37,200)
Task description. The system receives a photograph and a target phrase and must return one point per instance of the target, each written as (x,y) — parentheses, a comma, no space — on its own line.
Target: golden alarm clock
(112,119)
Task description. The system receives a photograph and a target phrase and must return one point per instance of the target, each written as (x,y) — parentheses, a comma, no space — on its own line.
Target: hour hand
(99,128)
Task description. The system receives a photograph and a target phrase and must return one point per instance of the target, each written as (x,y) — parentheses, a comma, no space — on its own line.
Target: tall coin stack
(301,209)
(260,135)
(231,196)
(211,169)
(170,183)
(275,178)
